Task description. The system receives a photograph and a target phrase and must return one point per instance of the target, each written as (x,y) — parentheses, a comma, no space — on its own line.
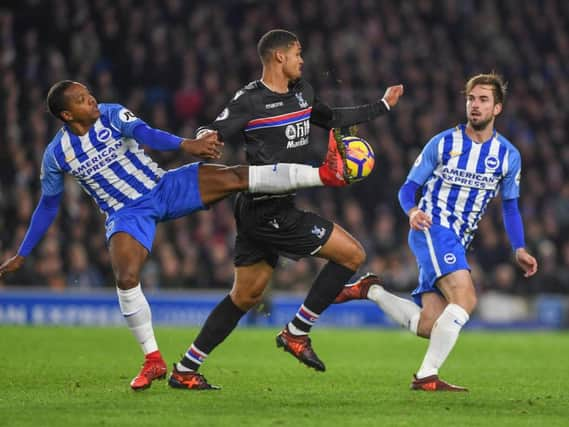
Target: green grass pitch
(80,376)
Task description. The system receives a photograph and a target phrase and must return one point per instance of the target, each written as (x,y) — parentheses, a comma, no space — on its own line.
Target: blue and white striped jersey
(107,162)
(460,177)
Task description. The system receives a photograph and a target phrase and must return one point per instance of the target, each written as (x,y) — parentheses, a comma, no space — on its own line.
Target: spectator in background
(373,42)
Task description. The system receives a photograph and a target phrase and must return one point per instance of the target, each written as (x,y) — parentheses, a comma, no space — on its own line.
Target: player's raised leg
(345,255)
(218,181)
(403,311)
(127,259)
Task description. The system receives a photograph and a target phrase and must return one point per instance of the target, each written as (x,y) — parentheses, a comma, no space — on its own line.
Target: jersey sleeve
(510,186)
(322,114)
(425,163)
(234,117)
(51,175)
(123,119)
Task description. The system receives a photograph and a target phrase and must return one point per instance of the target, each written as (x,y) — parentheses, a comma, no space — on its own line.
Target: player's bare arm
(526,262)
(207,146)
(12,264)
(392,95)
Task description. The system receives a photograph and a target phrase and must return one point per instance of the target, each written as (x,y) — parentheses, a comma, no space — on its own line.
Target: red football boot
(300,347)
(334,172)
(357,290)
(154,368)
(434,383)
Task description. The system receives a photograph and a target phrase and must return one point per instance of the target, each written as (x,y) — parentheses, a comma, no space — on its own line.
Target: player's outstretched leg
(434,383)
(300,347)
(358,289)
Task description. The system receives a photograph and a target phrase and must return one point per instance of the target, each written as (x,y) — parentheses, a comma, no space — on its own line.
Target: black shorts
(272,227)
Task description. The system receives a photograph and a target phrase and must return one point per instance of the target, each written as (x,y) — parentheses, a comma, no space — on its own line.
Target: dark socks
(325,289)
(219,324)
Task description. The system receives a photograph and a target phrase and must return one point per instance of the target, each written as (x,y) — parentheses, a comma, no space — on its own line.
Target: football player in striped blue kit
(99,145)
(460,171)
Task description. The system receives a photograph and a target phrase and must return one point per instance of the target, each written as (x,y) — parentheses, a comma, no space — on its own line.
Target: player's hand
(206,146)
(392,95)
(419,220)
(526,262)
(11,265)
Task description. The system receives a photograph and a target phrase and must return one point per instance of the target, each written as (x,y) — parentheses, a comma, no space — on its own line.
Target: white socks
(405,312)
(443,338)
(282,177)
(136,311)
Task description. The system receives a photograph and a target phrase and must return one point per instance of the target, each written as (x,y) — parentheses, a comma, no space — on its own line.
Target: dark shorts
(273,227)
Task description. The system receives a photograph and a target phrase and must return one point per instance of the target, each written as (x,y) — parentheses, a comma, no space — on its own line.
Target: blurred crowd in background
(176,63)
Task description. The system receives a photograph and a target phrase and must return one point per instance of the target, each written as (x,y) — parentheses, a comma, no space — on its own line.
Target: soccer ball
(360,158)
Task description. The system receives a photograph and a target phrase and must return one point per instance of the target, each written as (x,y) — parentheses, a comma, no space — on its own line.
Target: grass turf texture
(80,376)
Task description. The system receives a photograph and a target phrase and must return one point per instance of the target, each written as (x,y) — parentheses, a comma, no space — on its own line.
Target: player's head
(283,48)
(71,101)
(485,94)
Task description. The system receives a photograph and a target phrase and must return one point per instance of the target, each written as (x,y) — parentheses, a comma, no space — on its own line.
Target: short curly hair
(55,100)
(274,39)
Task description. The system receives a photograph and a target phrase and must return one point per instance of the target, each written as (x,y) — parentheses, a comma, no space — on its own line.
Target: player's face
(81,105)
(292,64)
(481,109)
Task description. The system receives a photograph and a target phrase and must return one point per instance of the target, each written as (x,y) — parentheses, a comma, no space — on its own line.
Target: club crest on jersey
(449,258)
(492,162)
(103,135)
(301,101)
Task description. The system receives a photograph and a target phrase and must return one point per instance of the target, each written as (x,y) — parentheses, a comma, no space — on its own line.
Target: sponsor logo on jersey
(274,105)
(455,153)
(481,181)
(274,223)
(297,134)
(301,101)
(491,162)
(449,258)
(94,164)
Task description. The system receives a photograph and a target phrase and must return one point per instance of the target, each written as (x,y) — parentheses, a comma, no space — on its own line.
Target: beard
(480,125)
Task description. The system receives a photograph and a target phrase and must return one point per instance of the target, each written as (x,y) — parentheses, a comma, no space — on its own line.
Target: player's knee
(246,299)
(126,280)
(470,303)
(356,257)
(467,301)
(425,326)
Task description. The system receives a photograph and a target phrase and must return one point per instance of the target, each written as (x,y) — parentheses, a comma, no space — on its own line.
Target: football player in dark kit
(274,115)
